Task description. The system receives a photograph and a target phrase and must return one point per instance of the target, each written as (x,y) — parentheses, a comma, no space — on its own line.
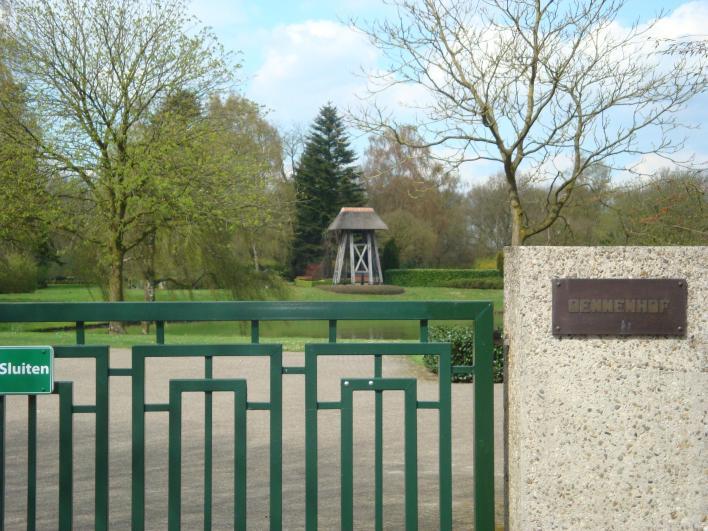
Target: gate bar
(484,420)
(408,386)
(208,444)
(276,439)
(80,333)
(332,330)
(31,462)
(379,446)
(160,332)
(177,387)
(255,331)
(2,463)
(29,312)
(312,351)
(66,455)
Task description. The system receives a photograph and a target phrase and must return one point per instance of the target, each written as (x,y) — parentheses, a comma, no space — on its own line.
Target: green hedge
(304,282)
(18,274)
(476,283)
(462,340)
(364,289)
(434,277)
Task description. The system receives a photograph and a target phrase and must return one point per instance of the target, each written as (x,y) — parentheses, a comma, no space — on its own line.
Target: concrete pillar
(605,432)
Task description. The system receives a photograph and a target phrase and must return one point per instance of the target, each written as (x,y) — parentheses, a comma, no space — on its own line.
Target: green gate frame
(480,312)
(378,385)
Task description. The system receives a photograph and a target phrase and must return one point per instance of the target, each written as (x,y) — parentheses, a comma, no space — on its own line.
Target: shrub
(18,274)
(433,277)
(500,262)
(476,283)
(462,341)
(487,262)
(314,271)
(244,282)
(364,289)
(390,258)
(269,264)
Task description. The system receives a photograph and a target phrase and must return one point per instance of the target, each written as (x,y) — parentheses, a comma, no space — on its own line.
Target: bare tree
(684,45)
(414,193)
(489,216)
(94,72)
(537,86)
(293,141)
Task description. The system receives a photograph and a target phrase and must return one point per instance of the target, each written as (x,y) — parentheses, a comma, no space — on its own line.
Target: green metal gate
(481,313)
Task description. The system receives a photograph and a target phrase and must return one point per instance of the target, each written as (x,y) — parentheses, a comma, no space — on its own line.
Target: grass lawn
(292,334)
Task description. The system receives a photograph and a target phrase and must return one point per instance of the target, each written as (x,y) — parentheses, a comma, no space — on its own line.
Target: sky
(298,55)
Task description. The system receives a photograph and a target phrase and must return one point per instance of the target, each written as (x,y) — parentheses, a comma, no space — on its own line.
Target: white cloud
(307,65)
(650,163)
(690,18)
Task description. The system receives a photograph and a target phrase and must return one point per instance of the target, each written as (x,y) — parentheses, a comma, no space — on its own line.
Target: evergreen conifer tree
(325,180)
(391,257)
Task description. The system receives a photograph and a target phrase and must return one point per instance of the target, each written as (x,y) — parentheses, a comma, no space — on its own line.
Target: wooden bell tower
(357,252)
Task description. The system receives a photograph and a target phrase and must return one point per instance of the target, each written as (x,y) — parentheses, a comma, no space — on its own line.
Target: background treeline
(224,208)
(128,158)
(438,222)
(666,208)
(223,234)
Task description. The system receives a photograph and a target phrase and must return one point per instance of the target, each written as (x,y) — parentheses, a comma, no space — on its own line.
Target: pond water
(346,330)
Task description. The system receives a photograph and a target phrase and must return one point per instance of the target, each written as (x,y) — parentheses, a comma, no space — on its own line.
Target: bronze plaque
(619,307)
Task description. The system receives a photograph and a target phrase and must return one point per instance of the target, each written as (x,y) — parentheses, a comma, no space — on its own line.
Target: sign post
(26,370)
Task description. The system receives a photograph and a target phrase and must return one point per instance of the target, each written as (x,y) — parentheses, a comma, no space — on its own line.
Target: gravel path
(331,370)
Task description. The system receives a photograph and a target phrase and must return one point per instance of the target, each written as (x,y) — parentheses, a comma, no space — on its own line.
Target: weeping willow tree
(24,185)
(234,205)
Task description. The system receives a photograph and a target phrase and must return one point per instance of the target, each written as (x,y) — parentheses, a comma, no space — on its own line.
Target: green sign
(26,370)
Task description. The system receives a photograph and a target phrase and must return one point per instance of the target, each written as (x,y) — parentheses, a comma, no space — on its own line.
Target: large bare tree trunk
(115,285)
(517,228)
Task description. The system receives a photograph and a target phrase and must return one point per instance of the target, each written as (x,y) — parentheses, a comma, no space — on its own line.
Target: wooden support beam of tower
(369,250)
(352,271)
